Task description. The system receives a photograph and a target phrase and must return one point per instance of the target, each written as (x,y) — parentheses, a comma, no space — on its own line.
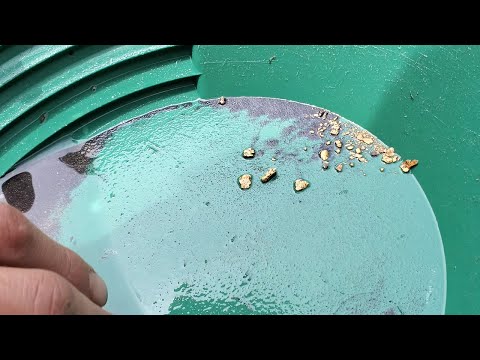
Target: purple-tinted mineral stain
(272,143)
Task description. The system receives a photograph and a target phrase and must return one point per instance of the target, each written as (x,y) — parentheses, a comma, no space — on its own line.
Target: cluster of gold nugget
(359,142)
(356,145)
(245,180)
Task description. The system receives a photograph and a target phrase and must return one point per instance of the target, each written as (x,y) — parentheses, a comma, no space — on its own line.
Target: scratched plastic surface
(158,212)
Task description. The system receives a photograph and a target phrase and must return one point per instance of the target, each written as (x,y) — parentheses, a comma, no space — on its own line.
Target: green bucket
(54,98)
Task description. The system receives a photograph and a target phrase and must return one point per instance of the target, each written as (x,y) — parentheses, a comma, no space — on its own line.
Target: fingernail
(98,289)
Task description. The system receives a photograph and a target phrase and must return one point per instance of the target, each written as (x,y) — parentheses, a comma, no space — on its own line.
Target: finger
(42,292)
(22,244)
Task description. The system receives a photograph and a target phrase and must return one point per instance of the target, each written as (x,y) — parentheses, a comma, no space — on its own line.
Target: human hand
(40,276)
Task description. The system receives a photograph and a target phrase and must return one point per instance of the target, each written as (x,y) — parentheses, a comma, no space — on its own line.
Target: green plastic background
(420,99)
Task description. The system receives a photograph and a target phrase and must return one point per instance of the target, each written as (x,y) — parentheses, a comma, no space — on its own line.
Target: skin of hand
(40,276)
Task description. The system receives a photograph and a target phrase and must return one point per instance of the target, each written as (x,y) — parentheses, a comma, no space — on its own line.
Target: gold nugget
(324,155)
(245,181)
(268,175)
(248,153)
(301,184)
(408,164)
